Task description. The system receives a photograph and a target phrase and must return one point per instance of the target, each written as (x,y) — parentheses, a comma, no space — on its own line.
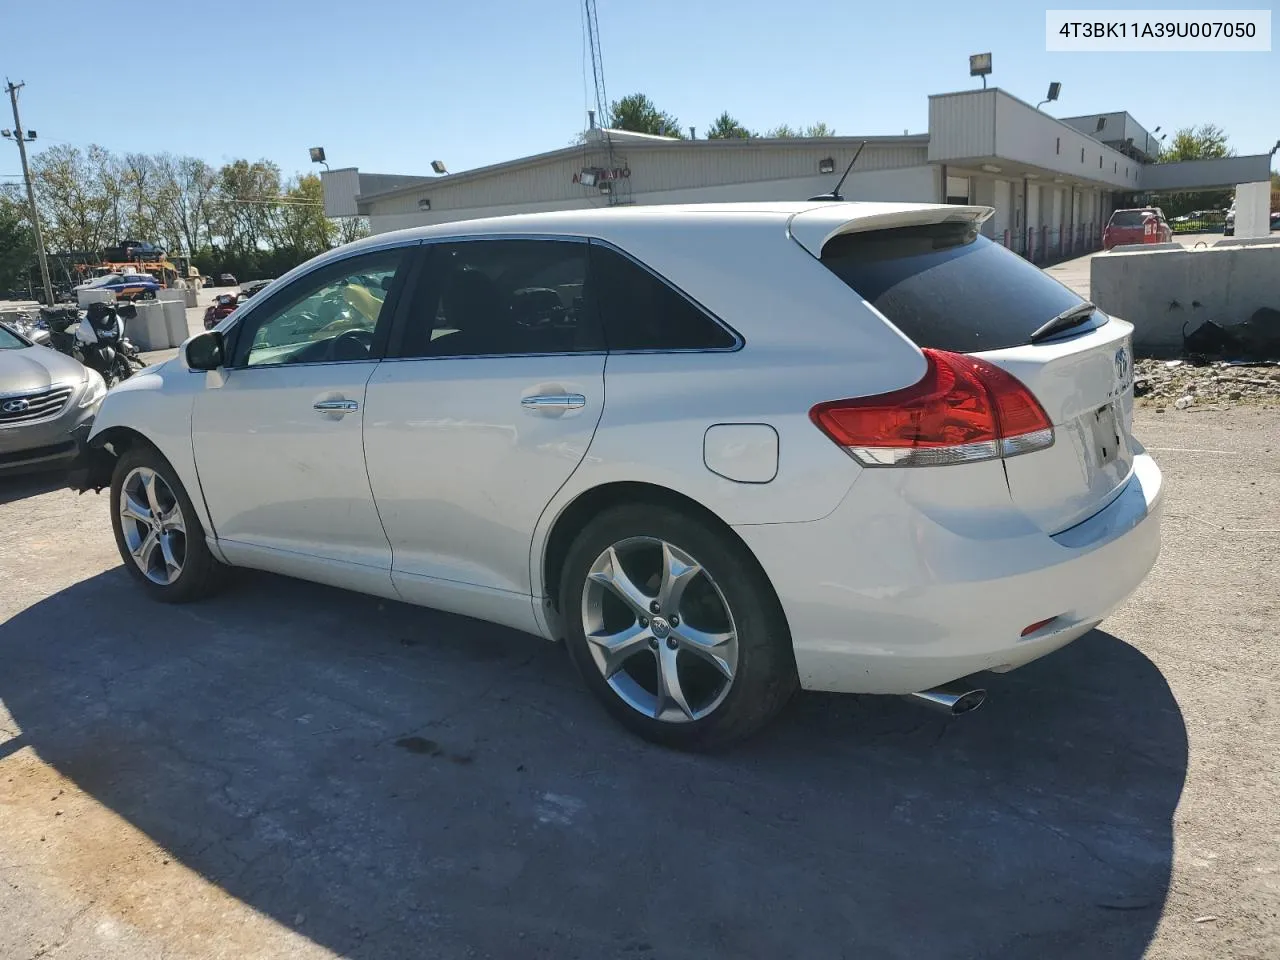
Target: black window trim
(400,322)
(381,333)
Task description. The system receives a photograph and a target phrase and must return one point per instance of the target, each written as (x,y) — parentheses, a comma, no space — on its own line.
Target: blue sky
(390,85)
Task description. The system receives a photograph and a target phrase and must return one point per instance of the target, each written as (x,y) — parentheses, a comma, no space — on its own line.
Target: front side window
(502,298)
(327,316)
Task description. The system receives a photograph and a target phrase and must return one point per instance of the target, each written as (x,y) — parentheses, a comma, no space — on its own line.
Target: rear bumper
(884,597)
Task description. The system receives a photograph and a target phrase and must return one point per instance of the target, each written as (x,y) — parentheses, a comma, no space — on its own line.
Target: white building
(1053,183)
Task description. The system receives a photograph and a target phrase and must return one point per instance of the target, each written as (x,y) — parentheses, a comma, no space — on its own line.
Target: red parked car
(1139,225)
(220,309)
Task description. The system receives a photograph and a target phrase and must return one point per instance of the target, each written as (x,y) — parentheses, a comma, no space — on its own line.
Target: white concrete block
(175,320)
(1253,209)
(148,329)
(86,297)
(1163,291)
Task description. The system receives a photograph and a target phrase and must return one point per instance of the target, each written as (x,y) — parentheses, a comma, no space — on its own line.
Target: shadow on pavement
(395,782)
(19,486)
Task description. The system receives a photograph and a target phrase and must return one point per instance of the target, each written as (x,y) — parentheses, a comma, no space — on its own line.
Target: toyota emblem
(15,406)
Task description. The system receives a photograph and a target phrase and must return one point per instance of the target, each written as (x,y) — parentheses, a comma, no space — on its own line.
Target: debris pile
(1182,385)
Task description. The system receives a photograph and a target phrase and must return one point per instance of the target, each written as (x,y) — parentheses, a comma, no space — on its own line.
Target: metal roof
(641,143)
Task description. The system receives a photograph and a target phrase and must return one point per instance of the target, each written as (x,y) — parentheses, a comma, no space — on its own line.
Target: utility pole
(21,137)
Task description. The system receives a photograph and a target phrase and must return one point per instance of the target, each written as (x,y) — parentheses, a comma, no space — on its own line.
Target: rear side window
(641,312)
(945,286)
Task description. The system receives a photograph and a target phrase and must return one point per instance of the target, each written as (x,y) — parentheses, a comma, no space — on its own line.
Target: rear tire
(157,531)
(722,634)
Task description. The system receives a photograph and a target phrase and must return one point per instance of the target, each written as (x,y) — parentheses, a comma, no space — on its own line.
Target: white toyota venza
(722,451)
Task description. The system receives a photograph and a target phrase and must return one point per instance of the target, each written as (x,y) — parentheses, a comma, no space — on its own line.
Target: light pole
(23,139)
(317,156)
(1055,88)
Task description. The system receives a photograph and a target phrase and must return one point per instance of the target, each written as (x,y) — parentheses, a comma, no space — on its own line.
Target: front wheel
(157,531)
(675,628)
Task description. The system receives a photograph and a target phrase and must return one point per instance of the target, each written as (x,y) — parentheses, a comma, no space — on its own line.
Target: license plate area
(1104,427)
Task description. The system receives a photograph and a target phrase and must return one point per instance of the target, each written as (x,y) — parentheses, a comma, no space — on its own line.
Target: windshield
(946,286)
(103,281)
(10,341)
(1130,218)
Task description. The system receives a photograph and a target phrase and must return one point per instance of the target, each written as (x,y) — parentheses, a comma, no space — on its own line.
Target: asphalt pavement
(289,770)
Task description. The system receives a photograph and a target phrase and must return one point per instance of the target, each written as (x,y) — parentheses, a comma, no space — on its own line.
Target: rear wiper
(1071,317)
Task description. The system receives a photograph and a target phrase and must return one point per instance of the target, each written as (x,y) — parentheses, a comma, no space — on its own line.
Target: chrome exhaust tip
(952,698)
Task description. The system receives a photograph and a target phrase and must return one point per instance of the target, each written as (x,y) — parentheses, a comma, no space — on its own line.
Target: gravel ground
(293,771)
(1216,386)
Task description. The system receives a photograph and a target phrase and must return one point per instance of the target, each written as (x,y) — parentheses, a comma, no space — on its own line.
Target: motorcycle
(37,331)
(97,340)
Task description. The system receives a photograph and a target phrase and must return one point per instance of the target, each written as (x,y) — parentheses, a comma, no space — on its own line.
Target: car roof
(822,219)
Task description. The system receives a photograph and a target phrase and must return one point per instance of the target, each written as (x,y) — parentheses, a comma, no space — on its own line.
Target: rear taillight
(964,410)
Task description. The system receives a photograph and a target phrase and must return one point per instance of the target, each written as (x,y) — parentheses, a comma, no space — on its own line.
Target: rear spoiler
(814,228)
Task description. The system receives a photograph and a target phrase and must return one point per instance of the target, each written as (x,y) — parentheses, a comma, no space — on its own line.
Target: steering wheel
(352,345)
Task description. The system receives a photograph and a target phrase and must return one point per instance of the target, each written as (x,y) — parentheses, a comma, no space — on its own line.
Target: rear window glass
(1130,218)
(948,287)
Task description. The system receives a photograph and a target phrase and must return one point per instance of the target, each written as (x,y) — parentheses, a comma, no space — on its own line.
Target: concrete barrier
(86,297)
(1162,291)
(175,320)
(148,329)
(186,294)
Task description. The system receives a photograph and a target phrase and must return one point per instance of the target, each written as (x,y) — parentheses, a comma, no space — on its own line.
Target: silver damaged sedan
(47,404)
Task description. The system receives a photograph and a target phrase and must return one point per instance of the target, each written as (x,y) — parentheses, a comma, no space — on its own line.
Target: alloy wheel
(659,630)
(154,529)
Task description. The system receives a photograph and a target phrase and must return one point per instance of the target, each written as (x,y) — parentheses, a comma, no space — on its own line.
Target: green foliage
(1205,142)
(17,243)
(258,223)
(725,127)
(785,131)
(637,113)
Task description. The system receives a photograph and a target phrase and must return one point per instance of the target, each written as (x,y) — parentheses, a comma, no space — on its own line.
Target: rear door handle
(551,402)
(336,406)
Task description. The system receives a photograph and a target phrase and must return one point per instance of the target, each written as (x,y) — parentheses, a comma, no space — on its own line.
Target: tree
(246,193)
(17,242)
(1205,142)
(351,229)
(785,131)
(186,191)
(726,127)
(78,195)
(138,182)
(637,113)
(300,224)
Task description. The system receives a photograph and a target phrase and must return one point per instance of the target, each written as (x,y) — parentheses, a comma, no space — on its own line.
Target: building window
(1082,154)
(1099,161)
(1058,147)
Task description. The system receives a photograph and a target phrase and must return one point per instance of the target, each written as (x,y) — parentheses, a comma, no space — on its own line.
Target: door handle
(336,406)
(551,402)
